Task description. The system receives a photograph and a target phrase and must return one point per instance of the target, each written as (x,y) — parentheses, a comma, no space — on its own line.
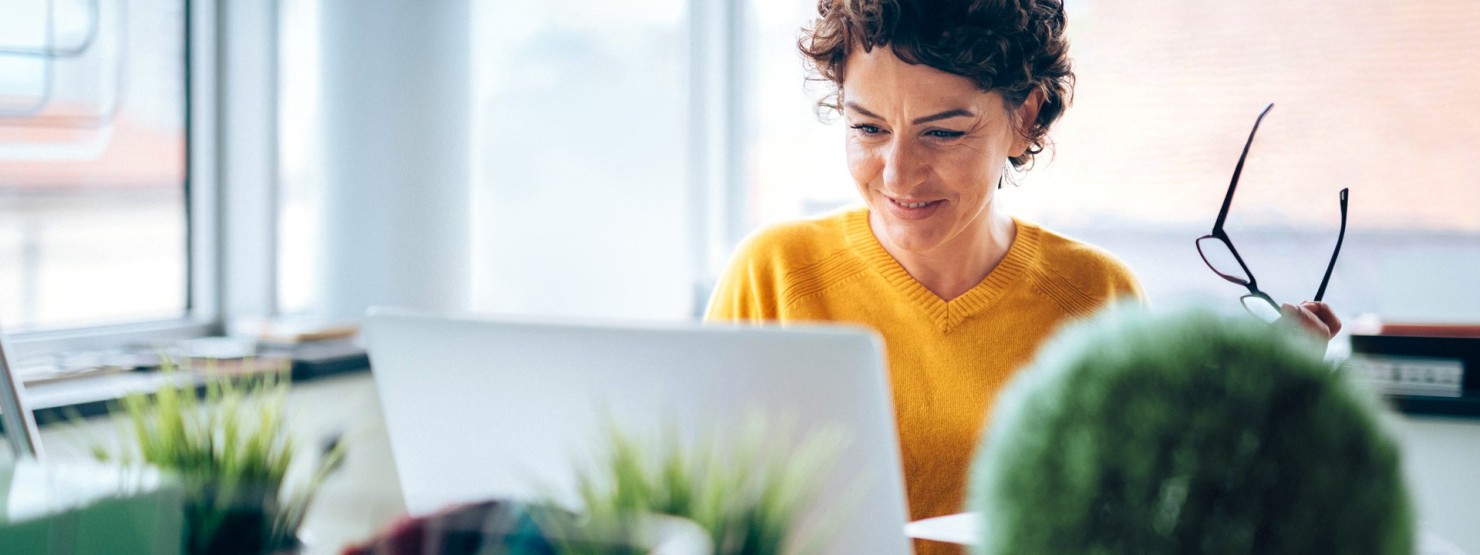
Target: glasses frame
(1255,294)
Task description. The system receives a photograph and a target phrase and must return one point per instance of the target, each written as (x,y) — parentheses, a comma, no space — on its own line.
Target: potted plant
(1137,432)
(232,451)
(750,494)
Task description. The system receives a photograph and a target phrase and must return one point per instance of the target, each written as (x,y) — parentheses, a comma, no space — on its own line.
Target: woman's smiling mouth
(917,210)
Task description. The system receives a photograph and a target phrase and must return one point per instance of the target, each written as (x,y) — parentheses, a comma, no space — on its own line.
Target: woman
(938,98)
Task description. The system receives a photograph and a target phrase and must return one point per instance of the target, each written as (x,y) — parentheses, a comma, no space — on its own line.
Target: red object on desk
(496,526)
(1471,331)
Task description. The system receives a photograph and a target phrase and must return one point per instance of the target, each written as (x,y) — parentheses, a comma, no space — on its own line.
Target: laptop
(485,407)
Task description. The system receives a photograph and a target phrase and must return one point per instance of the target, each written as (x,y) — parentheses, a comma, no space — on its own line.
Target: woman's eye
(867,129)
(944,133)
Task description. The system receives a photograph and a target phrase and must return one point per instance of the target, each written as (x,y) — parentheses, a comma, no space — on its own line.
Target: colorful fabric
(502,527)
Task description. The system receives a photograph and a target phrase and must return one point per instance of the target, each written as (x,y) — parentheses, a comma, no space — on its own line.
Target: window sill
(92,396)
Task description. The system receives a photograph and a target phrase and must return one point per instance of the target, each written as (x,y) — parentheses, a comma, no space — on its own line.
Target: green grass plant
(750,493)
(232,450)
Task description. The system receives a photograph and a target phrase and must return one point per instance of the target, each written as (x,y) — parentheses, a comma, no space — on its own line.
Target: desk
(1441,458)
(1442,461)
(966,528)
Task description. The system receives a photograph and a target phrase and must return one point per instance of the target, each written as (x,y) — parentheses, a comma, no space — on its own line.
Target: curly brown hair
(1012,47)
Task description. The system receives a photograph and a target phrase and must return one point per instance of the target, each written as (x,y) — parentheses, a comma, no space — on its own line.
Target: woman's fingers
(1323,312)
(1316,317)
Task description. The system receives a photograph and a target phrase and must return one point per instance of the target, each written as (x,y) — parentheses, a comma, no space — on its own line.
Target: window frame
(219,53)
(720,110)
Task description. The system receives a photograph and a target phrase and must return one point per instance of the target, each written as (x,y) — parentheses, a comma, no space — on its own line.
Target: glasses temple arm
(1320,293)
(1239,169)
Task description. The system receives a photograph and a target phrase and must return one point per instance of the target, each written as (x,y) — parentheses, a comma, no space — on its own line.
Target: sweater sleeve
(733,298)
(1116,282)
(1127,287)
(748,290)
(1084,278)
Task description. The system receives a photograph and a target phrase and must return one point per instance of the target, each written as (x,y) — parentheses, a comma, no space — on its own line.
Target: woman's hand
(1315,317)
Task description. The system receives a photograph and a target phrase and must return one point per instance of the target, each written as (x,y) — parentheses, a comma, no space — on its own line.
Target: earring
(999,181)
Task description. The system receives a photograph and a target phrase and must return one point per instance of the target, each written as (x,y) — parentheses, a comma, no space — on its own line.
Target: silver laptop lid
(480,407)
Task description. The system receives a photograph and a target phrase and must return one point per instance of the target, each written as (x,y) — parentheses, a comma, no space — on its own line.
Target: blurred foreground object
(1188,433)
(88,508)
(516,528)
(753,487)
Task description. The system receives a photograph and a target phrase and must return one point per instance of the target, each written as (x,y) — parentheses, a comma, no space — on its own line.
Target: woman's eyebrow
(948,114)
(860,109)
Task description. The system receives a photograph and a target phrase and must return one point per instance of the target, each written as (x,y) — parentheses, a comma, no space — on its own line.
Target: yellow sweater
(947,360)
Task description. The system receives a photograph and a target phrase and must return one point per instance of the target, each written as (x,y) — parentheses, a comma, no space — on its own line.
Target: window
(580,182)
(601,133)
(798,166)
(93,217)
(1371,98)
(299,156)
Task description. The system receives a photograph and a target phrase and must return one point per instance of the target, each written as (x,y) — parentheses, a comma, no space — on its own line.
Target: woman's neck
(960,264)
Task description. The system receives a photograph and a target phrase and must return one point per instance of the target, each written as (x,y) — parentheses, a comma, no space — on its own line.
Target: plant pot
(243,525)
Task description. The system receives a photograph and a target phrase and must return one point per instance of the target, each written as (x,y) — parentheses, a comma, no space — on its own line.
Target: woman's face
(926,148)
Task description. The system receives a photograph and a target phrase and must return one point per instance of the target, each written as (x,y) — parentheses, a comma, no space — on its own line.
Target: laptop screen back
(478,408)
(481,407)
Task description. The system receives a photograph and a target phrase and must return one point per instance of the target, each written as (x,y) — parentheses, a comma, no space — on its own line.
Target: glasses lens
(1262,308)
(1217,255)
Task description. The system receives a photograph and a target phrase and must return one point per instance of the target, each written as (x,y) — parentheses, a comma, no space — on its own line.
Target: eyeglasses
(1218,253)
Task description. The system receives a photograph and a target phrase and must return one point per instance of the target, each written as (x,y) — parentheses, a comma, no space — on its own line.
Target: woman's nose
(902,168)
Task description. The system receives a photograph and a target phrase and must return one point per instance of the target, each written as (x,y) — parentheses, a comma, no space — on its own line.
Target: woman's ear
(1026,118)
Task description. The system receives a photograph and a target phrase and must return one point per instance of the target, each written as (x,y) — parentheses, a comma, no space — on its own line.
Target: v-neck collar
(1021,255)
